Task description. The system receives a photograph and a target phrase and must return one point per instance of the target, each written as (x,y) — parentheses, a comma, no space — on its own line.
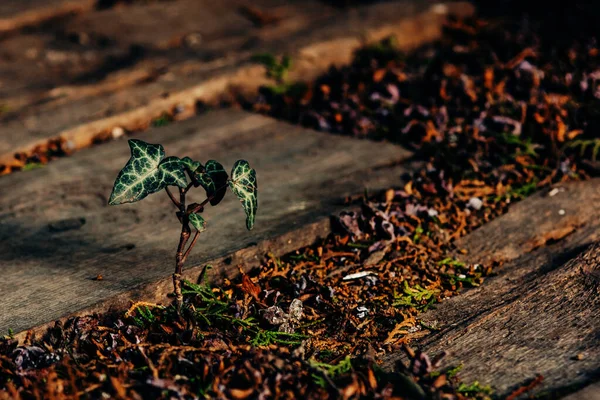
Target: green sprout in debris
(262,337)
(277,69)
(32,165)
(163,120)
(144,317)
(330,371)
(474,389)
(418,233)
(583,145)
(11,334)
(520,192)
(149,171)
(470,280)
(451,262)
(524,146)
(210,310)
(415,296)
(453,371)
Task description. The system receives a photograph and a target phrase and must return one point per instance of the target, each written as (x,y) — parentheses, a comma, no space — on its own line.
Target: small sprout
(149,171)
(276,69)
(474,389)
(417,296)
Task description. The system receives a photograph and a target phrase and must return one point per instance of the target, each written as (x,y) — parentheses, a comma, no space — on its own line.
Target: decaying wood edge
(41,15)
(222,267)
(309,62)
(590,392)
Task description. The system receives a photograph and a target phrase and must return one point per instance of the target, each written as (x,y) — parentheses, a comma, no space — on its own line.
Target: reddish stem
(172,197)
(189,249)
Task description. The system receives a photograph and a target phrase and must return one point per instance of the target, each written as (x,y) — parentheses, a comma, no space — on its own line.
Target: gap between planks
(519,323)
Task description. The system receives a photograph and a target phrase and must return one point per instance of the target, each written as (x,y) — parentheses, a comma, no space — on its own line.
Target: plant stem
(187,252)
(188,187)
(179,261)
(172,197)
(179,257)
(205,202)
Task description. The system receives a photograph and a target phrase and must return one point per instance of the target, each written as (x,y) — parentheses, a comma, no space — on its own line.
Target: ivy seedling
(149,171)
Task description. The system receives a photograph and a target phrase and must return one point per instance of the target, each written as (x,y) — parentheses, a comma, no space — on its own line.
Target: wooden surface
(57,232)
(540,315)
(91,88)
(590,392)
(19,14)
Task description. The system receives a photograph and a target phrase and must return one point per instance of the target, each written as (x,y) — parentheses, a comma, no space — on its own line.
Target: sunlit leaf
(243,183)
(213,180)
(142,175)
(191,164)
(198,222)
(173,170)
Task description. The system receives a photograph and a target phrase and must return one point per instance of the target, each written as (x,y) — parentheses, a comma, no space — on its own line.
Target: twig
(173,199)
(188,187)
(149,362)
(187,252)
(205,202)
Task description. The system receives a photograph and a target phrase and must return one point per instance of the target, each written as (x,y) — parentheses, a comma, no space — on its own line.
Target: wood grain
(78,114)
(18,14)
(57,232)
(540,315)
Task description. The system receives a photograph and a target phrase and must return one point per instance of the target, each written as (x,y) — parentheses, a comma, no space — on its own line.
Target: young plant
(148,171)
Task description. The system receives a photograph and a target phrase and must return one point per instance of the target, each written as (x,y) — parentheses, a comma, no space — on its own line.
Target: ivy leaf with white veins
(142,176)
(198,222)
(174,172)
(191,164)
(214,181)
(243,183)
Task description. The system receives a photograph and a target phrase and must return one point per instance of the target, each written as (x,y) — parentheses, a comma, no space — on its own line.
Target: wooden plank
(590,392)
(57,232)
(540,315)
(18,14)
(160,26)
(80,51)
(313,47)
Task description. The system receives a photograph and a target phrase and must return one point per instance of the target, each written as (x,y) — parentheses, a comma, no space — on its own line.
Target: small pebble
(475,203)
(561,212)
(553,192)
(117,132)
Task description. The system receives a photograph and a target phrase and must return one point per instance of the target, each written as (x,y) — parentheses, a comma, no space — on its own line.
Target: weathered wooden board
(18,14)
(57,232)
(195,24)
(590,392)
(83,49)
(131,98)
(541,314)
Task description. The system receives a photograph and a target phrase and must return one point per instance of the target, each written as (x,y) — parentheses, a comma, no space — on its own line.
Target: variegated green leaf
(141,175)
(198,222)
(243,183)
(214,180)
(191,164)
(174,172)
